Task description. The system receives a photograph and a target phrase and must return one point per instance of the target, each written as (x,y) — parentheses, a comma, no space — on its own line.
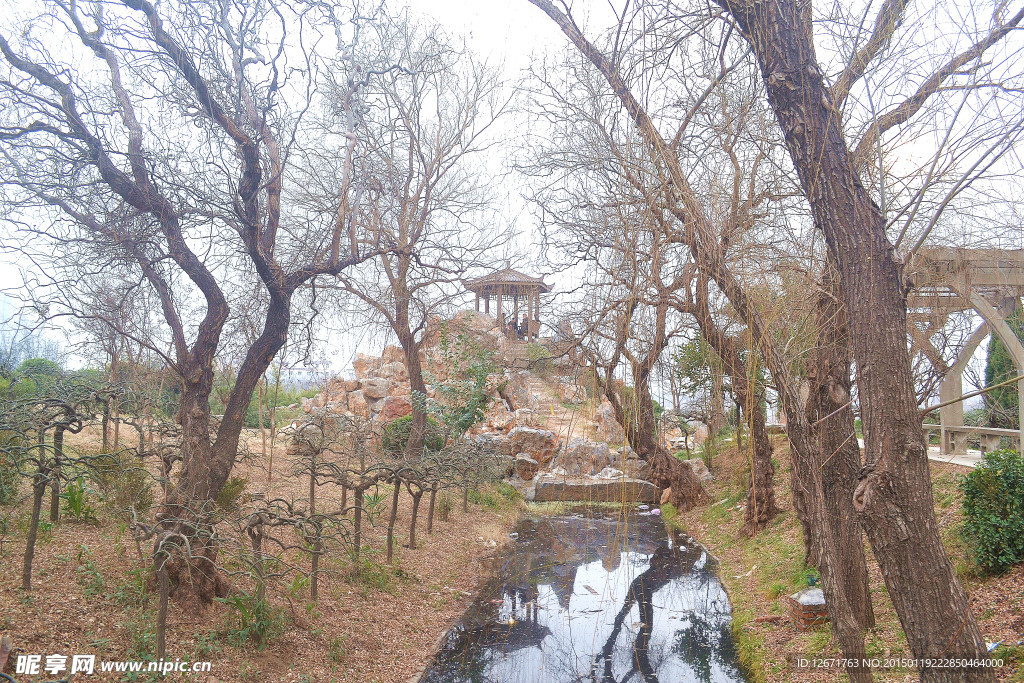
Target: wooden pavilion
(514,294)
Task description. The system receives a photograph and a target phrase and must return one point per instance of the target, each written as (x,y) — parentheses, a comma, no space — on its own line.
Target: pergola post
(945,280)
(951,387)
(1013,346)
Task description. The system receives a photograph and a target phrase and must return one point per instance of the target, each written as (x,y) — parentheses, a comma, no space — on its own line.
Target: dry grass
(373,623)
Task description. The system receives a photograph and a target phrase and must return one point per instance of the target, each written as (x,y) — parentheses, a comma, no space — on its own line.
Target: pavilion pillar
(515,310)
(501,320)
(477,301)
(536,312)
(487,303)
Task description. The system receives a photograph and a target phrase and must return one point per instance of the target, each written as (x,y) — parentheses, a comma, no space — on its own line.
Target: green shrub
(396,435)
(541,362)
(76,501)
(993,510)
(498,496)
(253,620)
(229,495)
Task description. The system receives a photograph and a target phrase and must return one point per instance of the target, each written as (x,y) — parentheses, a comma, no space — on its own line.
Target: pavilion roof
(506,278)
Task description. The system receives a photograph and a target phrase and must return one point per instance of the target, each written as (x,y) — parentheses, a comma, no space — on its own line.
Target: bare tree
(175,170)
(894,492)
(427,139)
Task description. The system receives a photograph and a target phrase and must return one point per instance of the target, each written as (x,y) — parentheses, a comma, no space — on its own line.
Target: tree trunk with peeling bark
(667,471)
(894,494)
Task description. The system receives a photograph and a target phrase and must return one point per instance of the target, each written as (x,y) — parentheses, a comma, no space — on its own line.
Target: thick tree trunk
(761,505)
(830,410)
(206,462)
(411,350)
(845,622)
(418,387)
(667,471)
(894,495)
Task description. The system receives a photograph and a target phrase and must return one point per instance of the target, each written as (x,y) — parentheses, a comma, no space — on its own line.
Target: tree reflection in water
(594,597)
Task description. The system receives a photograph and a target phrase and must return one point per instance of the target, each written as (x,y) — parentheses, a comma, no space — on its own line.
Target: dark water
(596,596)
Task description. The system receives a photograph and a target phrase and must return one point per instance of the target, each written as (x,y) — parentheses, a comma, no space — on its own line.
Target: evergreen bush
(396,435)
(993,510)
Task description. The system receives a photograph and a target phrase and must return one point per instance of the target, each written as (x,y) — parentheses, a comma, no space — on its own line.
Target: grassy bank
(758,572)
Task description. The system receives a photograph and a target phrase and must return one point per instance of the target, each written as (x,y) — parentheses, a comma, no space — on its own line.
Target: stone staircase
(566,422)
(517,354)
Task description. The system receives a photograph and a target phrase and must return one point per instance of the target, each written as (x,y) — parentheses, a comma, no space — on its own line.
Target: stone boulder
(525,467)
(610,473)
(376,387)
(395,407)
(582,457)
(498,418)
(392,354)
(495,443)
(571,392)
(358,404)
(364,365)
(539,444)
(526,417)
(700,470)
(517,388)
(394,371)
(608,428)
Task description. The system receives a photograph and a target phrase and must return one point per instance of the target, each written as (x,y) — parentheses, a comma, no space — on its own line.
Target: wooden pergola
(943,281)
(512,292)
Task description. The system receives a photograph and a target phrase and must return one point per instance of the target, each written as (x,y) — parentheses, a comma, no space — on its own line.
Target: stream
(594,595)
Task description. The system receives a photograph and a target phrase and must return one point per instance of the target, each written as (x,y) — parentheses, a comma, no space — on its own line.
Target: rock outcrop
(595,491)
(539,444)
(380,389)
(608,428)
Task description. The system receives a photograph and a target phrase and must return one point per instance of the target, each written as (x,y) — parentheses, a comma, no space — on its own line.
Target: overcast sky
(507,33)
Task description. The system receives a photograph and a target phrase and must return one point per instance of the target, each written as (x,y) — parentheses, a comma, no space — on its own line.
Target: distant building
(303,376)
